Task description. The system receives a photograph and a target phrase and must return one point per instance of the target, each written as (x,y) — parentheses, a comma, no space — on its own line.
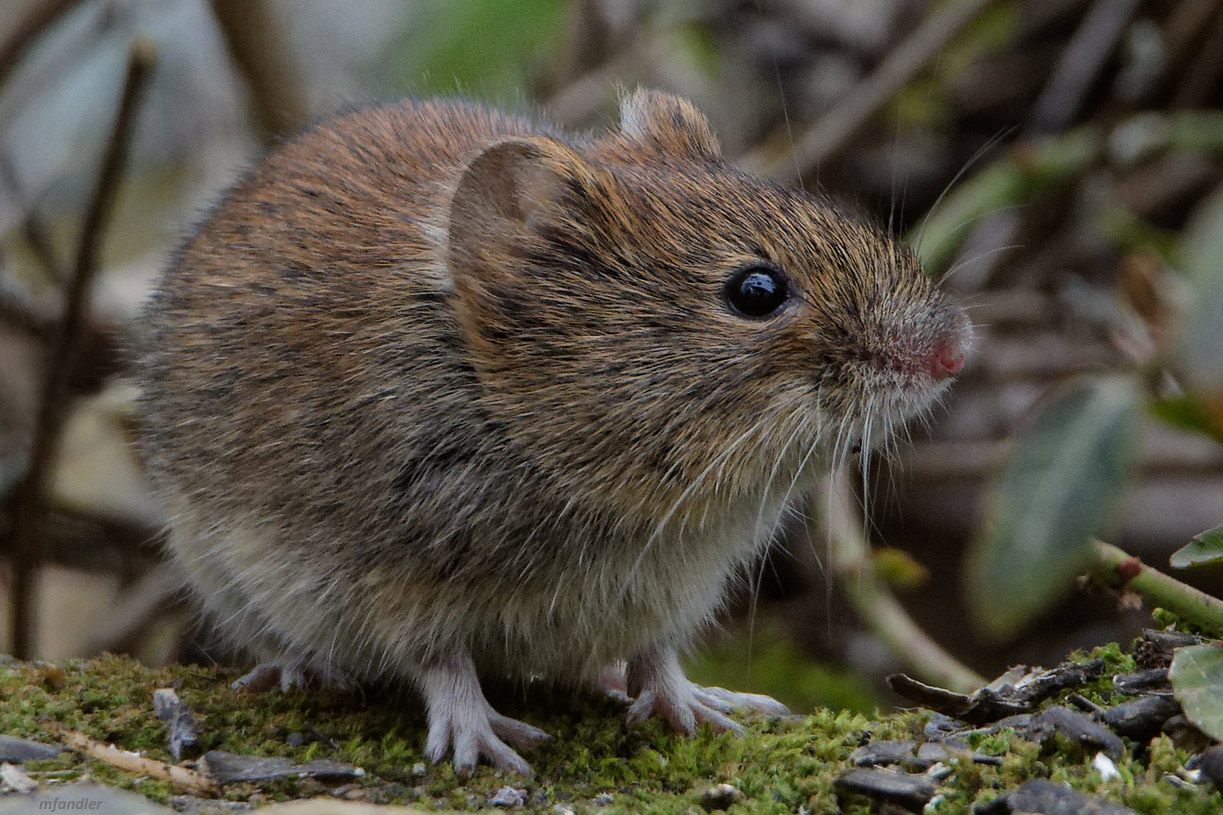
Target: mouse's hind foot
(461,720)
(288,674)
(660,689)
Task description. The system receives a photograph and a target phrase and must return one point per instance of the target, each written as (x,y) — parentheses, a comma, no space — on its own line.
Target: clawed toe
(662,690)
(684,713)
(520,734)
(728,701)
(612,682)
(261,678)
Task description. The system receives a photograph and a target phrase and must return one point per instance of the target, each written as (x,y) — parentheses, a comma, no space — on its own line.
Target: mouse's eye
(757,291)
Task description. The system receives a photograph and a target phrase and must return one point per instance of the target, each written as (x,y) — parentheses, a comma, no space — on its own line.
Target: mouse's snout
(947,358)
(945,362)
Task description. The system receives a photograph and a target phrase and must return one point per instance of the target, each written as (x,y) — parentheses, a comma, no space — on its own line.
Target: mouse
(438,393)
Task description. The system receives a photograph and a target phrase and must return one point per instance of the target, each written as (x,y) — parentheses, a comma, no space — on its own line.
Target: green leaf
(1185,413)
(1059,488)
(478,48)
(1197,683)
(1206,547)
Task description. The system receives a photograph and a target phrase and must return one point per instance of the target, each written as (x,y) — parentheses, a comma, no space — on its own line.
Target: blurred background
(1064,148)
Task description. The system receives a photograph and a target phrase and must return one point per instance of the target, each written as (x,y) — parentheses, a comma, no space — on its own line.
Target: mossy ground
(780,766)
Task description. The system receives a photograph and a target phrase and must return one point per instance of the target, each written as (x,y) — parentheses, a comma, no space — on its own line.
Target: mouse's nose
(946,361)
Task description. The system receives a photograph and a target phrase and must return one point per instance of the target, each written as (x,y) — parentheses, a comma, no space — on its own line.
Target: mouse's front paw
(473,736)
(462,720)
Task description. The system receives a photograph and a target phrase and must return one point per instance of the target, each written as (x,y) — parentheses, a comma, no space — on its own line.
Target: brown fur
(433,377)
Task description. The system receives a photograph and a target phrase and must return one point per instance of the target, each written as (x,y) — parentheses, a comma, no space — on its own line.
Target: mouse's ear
(668,124)
(503,200)
(511,183)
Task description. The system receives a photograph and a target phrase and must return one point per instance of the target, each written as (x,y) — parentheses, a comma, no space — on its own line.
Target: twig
(27,31)
(836,128)
(879,609)
(29,499)
(66,52)
(182,777)
(258,48)
(1121,570)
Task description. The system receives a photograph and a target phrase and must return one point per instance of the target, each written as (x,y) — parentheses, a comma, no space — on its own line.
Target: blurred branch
(876,605)
(19,311)
(945,461)
(35,232)
(96,541)
(1080,64)
(592,37)
(25,88)
(836,129)
(29,498)
(257,46)
(1035,166)
(26,33)
(1203,72)
(141,605)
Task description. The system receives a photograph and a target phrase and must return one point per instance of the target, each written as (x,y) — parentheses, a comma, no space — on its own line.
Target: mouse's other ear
(667,124)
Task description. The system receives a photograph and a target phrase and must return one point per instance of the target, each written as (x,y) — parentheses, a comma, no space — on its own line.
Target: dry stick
(257,45)
(27,31)
(836,128)
(1121,570)
(181,777)
(29,498)
(878,608)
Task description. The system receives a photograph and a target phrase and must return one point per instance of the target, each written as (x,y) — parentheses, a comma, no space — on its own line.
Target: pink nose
(946,361)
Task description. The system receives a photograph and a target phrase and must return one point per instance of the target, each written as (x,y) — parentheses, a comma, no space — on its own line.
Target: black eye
(757,291)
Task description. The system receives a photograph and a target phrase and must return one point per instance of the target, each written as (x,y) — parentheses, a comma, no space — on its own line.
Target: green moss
(779,765)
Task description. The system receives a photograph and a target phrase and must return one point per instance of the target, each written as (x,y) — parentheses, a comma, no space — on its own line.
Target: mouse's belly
(606,605)
(607,601)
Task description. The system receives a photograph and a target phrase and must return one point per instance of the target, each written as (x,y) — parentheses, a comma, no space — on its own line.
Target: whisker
(978,256)
(973,159)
